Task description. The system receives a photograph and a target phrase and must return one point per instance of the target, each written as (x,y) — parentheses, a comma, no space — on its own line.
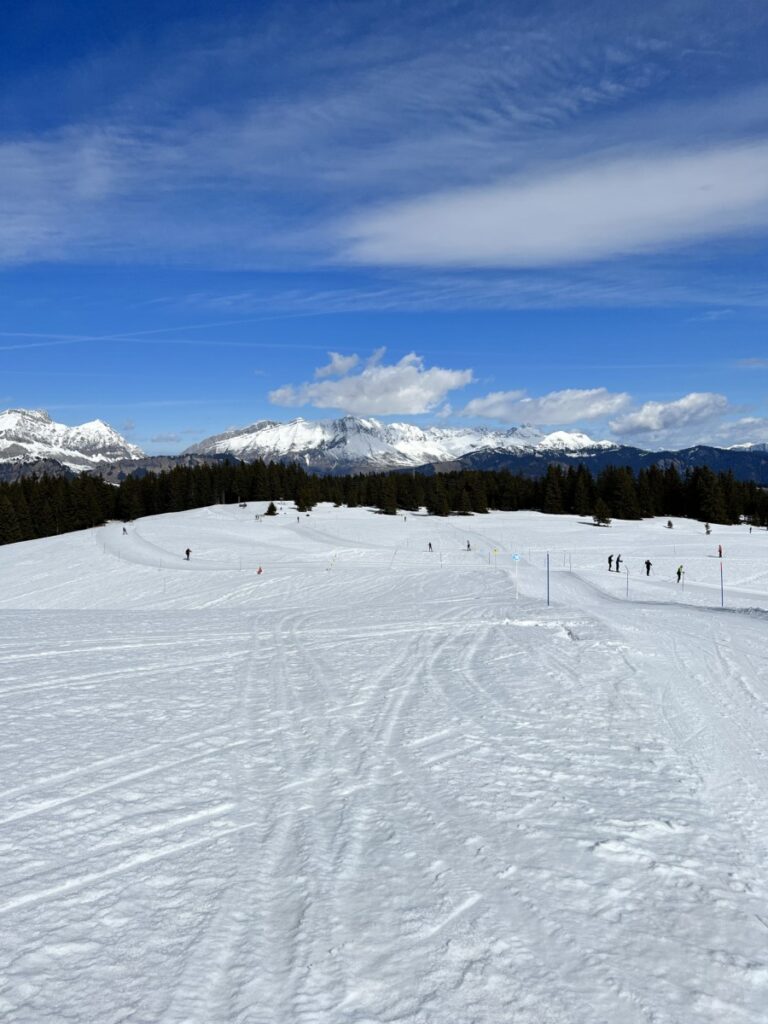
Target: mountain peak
(30,434)
(364,444)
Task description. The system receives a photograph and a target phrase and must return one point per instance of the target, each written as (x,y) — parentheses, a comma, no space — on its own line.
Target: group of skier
(647,563)
(679,572)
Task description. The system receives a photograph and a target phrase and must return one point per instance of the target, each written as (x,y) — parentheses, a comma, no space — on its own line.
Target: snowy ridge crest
(351,443)
(30,434)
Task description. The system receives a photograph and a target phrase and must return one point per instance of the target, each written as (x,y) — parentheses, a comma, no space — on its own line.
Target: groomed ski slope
(371,784)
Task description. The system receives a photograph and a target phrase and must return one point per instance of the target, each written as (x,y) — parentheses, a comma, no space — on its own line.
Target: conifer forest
(44,506)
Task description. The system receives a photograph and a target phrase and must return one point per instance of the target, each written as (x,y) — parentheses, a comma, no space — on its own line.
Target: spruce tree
(553,494)
(601,516)
(10,532)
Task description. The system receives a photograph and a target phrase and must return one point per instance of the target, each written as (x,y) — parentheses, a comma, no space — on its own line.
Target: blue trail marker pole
(547,579)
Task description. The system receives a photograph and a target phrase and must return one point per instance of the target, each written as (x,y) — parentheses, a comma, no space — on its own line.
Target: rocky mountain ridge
(32,443)
(30,435)
(356,445)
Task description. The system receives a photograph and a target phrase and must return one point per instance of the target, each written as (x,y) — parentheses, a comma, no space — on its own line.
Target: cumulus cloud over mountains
(652,417)
(406,387)
(567,406)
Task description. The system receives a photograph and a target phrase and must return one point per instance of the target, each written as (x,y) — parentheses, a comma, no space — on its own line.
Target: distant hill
(745,464)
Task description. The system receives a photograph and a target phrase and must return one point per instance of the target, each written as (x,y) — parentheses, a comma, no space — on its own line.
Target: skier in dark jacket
(679,573)
(188,552)
(610,562)
(618,562)
(648,564)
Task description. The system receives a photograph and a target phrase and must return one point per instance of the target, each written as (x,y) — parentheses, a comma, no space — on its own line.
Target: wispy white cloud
(745,430)
(712,315)
(654,418)
(338,366)
(649,284)
(558,407)
(587,213)
(406,387)
(357,108)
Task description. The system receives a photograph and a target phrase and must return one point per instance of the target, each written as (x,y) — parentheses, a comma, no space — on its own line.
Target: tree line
(44,506)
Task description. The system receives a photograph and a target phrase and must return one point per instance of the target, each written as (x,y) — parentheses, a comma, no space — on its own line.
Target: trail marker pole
(516,560)
(626,570)
(547,579)
(722,591)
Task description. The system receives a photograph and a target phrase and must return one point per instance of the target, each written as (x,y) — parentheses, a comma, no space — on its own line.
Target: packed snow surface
(374,784)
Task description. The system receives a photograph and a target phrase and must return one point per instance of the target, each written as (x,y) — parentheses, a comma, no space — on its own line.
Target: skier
(429,547)
(679,573)
(618,563)
(259,571)
(468,546)
(188,552)
(125,532)
(719,550)
(648,564)
(610,562)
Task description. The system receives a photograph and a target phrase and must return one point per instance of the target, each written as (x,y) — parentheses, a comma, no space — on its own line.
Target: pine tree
(437,501)
(478,494)
(601,516)
(583,499)
(10,531)
(553,494)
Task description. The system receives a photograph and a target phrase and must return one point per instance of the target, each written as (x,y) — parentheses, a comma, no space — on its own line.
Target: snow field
(371,785)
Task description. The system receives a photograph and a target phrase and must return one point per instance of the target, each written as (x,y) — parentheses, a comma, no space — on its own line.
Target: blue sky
(437,212)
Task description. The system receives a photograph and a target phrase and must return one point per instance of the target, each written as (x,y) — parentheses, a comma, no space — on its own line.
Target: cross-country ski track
(370,784)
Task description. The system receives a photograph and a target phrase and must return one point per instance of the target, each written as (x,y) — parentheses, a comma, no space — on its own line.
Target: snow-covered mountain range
(31,442)
(352,444)
(29,435)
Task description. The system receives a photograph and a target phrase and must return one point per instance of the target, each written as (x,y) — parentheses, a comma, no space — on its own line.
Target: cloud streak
(581,214)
